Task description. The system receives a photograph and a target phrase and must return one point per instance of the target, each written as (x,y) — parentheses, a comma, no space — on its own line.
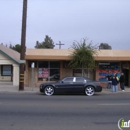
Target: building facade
(9,66)
(53,64)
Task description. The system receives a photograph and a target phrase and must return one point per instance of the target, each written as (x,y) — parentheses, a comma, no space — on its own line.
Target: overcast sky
(102,21)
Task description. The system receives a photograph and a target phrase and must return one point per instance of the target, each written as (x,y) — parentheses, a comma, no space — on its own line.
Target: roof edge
(9,57)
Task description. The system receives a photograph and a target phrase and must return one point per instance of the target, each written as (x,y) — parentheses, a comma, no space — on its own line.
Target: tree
(11,46)
(47,43)
(83,55)
(17,47)
(104,46)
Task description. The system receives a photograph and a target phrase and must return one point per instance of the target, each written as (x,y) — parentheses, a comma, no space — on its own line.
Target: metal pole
(32,75)
(23,40)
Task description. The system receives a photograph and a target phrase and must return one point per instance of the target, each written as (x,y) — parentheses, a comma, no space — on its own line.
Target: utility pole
(60,44)
(23,49)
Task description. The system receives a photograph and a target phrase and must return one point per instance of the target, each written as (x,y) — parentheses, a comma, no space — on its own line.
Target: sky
(100,21)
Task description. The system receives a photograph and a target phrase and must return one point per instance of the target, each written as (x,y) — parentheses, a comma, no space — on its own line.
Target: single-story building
(9,65)
(52,64)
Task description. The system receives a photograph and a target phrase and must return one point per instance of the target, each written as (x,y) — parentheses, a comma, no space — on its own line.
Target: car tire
(49,90)
(89,91)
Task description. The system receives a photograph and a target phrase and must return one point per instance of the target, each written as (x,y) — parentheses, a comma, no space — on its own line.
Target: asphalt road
(63,112)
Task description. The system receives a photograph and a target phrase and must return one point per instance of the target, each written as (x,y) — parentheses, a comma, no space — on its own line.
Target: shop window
(77,72)
(54,74)
(6,70)
(49,71)
(126,65)
(54,64)
(43,74)
(43,64)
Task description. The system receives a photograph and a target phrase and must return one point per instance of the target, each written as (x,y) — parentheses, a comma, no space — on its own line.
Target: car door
(66,85)
(78,84)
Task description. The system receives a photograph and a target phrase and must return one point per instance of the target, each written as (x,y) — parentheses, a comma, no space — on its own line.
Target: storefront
(52,64)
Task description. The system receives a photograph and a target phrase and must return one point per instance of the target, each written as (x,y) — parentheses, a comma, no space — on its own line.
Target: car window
(69,79)
(79,79)
(88,79)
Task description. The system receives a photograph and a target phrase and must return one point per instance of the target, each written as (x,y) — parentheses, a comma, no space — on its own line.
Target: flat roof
(64,54)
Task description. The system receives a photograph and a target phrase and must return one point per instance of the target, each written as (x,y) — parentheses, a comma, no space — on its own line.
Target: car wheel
(49,90)
(89,91)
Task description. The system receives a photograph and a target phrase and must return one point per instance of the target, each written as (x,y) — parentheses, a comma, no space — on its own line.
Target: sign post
(32,74)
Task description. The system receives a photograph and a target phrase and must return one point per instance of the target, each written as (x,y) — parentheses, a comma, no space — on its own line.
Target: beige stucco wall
(15,75)
(5,60)
(53,54)
(33,77)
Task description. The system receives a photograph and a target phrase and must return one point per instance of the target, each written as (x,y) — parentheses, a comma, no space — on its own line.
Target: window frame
(2,74)
(51,70)
(83,80)
(68,81)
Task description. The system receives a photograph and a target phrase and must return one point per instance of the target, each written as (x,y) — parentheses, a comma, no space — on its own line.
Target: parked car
(71,85)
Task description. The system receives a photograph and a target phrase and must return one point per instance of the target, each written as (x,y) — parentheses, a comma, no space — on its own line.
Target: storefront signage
(43,72)
(105,68)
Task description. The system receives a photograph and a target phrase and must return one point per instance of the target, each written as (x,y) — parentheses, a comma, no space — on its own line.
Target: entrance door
(126,73)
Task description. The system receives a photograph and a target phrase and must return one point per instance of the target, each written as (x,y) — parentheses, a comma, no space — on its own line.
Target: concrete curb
(15,89)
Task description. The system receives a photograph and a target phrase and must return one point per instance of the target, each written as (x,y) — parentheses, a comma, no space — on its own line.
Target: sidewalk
(108,91)
(15,89)
(11,88)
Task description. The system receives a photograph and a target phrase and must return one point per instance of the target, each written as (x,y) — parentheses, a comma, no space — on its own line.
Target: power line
(60,44)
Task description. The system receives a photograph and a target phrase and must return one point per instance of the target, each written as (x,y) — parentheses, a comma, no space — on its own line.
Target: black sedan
(71,85)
